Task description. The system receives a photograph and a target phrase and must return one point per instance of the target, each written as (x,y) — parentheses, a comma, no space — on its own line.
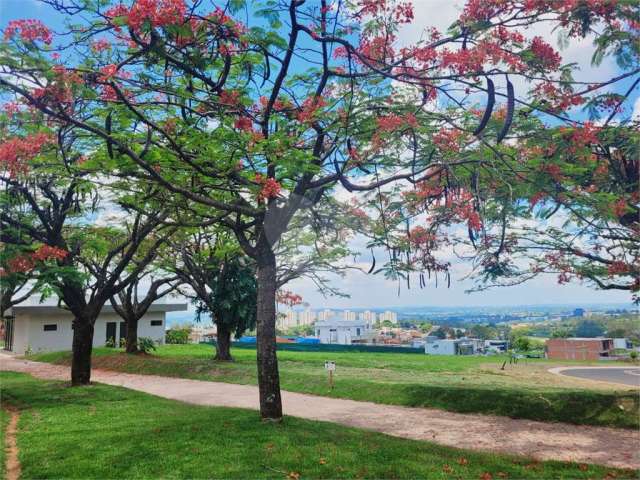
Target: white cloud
(636,111)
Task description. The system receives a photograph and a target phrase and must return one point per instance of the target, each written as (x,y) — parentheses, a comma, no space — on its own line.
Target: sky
(369,291)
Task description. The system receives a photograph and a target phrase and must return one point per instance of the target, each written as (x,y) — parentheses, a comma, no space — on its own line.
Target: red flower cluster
(545,53)
(310,108)
(26,262)
(285,297)
(47,252)
(448,139)
(270,187)
(16,152)
(377,49)
(30,30)
(618,267)
(109,71)
(421,237)
(393,121)
(619,207)
(100,45)
(581,137)
(158,13)
(244,123)
(230,97)
(553,170)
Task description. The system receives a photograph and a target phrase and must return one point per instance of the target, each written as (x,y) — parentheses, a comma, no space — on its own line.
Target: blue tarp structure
(308,340)
(247,340)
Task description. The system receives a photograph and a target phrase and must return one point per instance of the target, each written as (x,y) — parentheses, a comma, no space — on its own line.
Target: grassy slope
(111,432)
(462,384)
(4,421)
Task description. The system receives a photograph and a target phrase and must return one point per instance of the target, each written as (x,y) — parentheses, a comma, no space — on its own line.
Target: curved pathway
(540,440)
(619,375)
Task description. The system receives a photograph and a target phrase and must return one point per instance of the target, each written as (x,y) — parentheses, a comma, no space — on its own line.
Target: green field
(111,432)
(4,420)
(456,383)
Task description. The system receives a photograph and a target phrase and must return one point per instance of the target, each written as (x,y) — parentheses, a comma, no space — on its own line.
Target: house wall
(561,349)
(343,335)
(30,334)
(441,347)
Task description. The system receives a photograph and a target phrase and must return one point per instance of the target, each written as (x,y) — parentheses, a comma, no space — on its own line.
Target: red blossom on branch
(270,187)
(16,152)
(285,297)
(30,30)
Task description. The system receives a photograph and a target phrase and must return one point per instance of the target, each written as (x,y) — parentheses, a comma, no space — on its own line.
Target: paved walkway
(620,375)
(540,440)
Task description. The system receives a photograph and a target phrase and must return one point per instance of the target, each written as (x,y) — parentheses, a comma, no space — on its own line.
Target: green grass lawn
(456,383)
(111,432)
(4,421)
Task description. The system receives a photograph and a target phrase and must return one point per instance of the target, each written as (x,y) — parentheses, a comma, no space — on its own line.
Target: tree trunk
(131,342)
(223,348)
(82,346)
(268,376)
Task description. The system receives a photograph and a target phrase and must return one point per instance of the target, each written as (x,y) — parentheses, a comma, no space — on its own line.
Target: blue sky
(371,291)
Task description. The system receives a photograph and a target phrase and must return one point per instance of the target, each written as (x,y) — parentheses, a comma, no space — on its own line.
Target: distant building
(349,316)
(579,348)
(496,346)
(622,343)
(368,316)
(306,317)
(459,346)
(342,332)
(325,315)
(287,320)
(578,312)
(389,315)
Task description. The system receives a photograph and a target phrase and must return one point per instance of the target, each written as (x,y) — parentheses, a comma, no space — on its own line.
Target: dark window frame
(156,323)
(50,327)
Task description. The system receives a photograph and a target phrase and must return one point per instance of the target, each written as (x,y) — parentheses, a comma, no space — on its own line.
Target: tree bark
(82,347)
(131,342)
(268,376)
(223,348)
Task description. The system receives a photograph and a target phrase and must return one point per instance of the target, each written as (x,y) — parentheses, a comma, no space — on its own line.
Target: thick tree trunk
(82,346)
(223,348)
(268,376)
(131,342)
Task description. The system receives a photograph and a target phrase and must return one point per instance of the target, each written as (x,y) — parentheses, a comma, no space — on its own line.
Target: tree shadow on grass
(579,407)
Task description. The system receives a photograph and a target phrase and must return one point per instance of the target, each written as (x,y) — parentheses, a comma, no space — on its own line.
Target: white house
(622,343)
(458,346)
(32,327)
(335,330)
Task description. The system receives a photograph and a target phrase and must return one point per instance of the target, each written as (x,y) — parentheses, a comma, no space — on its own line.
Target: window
(51,327)
(357,331)
(156,323)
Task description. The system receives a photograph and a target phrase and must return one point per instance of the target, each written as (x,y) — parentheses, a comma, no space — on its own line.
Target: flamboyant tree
(132,305)
(46,212)
(247,124)
(219,279)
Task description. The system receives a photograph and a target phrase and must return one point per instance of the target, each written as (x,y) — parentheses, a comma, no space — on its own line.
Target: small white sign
(331,366)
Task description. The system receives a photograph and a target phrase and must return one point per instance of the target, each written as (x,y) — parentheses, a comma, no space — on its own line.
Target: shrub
(633,354)
(145,345)
(177,335)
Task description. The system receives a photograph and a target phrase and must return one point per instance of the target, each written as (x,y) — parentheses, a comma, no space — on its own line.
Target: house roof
(337,322)
(49,307)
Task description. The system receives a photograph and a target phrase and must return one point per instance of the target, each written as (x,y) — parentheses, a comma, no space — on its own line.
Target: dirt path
(12,463)
(544,441)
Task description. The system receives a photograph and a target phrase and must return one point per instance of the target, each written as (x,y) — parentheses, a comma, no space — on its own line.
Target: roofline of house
(107,308)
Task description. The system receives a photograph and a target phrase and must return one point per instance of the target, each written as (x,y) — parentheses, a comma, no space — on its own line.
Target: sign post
(330,367)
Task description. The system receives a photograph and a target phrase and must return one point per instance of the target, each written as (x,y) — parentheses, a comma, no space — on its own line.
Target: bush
(145,345)
(633,355)
(177,335)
